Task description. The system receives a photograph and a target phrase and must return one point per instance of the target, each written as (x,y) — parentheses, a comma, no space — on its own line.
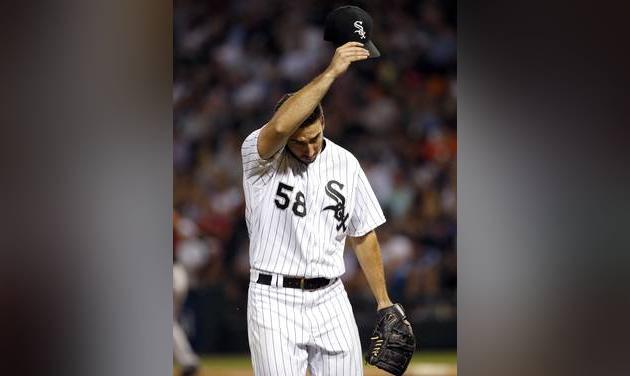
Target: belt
(297,282)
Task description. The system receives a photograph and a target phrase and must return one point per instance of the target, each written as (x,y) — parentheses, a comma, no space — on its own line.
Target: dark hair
(317,113)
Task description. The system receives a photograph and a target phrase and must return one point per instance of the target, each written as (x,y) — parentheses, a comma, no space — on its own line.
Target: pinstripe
(330,234)
(351,326)
(293,249)
(325,349)
(254,182)
(288,223)
(256,330)
(322,348)
(309,246)
(247,170)
(264,359)
(294,224)
(332,346)
(350,329)
(250,328)
(302,315)
(254,343)
(317,211)
(281,243)
(291,348)
(348,346)
(269,175)
(255,247)
(269,232)
(248,154)
(288,341)
(294,349)
(268,327)
(352,225)
(316,240)
(274,247)
(304,255)
(308,242)
(269,340)
(348,189)
(359,204)
(262,344)
(314,365)
(364,196)
(310,233)
(256,250)
(330,169)
(273,329)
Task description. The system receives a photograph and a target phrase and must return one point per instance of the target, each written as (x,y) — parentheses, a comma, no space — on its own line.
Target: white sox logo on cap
(350,24)
(359,28)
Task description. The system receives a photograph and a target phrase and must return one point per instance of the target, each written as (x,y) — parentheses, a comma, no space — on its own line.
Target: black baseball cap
(350,23)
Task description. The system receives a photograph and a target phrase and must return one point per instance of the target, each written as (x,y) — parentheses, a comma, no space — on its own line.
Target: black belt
(297,282)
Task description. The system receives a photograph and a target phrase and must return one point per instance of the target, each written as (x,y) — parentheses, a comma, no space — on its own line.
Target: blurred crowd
(397,114)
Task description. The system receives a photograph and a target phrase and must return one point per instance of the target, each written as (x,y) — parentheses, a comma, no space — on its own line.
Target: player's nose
(312,150)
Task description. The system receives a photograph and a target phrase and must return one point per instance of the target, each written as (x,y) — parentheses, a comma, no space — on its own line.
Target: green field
(243,362)
(433,363)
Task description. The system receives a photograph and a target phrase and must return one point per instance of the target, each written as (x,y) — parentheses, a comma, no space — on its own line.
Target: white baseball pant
(291,329)
(182,352)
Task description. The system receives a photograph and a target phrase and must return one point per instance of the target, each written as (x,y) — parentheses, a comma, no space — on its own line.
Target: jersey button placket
(313,215)
(312,212)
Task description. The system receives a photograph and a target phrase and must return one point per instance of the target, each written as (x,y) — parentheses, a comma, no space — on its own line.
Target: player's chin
(308,160)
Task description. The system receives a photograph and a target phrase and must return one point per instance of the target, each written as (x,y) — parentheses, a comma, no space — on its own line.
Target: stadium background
(396,114)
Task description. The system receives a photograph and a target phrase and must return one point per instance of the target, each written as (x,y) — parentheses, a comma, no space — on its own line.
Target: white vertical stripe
(282,243)
(337,346)
(353,332)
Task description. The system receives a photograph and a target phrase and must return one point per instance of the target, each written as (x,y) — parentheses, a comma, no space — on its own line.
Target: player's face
(306,142)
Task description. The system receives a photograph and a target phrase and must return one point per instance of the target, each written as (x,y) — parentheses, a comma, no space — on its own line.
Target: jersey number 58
(283,200)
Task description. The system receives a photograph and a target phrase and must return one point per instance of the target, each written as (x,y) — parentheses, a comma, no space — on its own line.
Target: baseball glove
(392,343)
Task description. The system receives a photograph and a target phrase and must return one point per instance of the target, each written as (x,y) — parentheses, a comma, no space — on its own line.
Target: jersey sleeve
(256,170)
(367,214)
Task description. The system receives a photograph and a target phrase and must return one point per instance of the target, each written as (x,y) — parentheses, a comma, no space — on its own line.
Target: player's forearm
(369,255)
(291,114)
(300,105)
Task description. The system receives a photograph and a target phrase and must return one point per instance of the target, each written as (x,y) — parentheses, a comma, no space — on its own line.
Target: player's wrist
(384,304)
(330,73)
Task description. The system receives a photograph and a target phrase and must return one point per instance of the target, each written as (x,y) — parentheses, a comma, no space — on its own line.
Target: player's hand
(345,55)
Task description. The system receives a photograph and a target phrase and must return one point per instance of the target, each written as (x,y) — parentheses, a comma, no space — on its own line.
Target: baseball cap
(350,23)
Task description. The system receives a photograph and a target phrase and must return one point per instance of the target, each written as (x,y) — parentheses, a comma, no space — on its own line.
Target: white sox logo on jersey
(292,235)
(340,207)
(359,29)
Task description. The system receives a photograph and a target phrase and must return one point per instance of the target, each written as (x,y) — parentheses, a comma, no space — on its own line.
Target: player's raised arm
(296,109)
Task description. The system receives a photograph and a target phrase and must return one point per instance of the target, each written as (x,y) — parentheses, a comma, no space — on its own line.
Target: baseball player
(304,196)
(182,351)
(183,229)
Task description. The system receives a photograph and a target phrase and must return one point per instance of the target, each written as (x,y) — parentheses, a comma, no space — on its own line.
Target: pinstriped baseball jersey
(298,215)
